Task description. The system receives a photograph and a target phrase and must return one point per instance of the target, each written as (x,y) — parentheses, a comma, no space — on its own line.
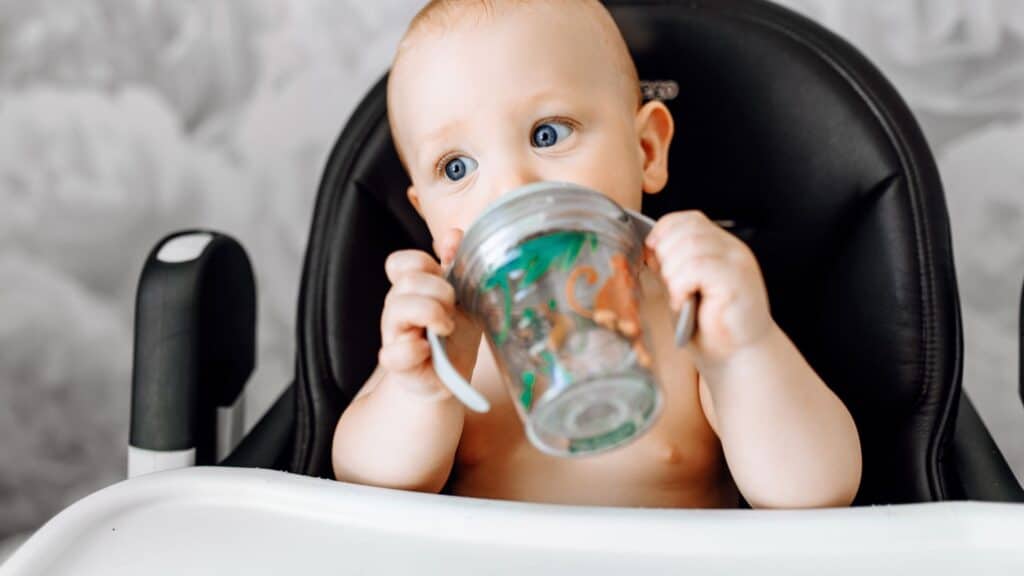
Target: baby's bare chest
(678,462)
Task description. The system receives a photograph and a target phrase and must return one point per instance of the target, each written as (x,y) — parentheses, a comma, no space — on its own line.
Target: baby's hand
(421,298)
(695,255)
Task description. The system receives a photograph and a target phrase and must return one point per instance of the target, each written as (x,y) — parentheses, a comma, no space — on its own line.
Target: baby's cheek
(605,177)
(621,177)
(443,215)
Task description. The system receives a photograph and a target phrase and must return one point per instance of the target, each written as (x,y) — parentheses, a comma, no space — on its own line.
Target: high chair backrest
(783,128)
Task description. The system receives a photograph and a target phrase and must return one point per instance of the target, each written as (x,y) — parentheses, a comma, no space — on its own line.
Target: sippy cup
(550,274)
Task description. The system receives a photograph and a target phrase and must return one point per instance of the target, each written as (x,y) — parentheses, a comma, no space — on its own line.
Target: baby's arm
(403,428)
(788,440)
(394,436)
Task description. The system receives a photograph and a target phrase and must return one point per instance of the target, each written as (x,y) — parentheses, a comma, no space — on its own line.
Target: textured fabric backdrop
(121,120)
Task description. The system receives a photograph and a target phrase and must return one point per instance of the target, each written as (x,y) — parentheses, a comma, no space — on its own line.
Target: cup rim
(639,223)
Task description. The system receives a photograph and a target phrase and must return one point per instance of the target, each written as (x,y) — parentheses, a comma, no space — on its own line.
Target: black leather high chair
(782,127)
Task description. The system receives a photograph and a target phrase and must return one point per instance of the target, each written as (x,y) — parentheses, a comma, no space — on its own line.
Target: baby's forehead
(447,70)
(583,28)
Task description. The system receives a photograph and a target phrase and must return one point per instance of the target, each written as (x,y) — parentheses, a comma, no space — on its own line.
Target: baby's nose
(514,178)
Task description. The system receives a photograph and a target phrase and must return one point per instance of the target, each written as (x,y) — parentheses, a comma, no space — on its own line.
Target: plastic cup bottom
(594,416)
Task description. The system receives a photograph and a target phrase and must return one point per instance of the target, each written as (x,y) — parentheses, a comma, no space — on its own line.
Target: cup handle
(686,322)
(451,378)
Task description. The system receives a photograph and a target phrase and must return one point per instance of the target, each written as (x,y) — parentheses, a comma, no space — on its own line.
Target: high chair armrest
(980,467)
(268,444)
(195,347)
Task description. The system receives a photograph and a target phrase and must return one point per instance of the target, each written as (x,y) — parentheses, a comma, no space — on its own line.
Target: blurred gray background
(121,120)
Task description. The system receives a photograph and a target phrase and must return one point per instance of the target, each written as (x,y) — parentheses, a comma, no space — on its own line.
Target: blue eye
(457,168)
(549,133)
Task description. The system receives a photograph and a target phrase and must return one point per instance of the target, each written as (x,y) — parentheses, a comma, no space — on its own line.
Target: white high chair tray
(245,521)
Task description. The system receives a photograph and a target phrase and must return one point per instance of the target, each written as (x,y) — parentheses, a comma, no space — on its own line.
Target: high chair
(784,129)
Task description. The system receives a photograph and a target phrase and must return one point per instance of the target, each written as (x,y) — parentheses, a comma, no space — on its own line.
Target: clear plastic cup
(551,275)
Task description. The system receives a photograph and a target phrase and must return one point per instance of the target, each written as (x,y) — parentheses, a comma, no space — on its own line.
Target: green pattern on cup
(526,397)
(533,259)
(604,440)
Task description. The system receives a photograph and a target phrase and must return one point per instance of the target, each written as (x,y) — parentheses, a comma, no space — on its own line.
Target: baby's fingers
(405,262)
(676,259)
(688,276)
(428,285)
(689,220)
(405,354)
(405,313)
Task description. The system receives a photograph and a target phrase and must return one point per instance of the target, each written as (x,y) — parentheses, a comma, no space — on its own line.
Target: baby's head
(487,95)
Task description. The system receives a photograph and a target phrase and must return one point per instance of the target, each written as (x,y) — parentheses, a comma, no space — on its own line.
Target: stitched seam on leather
(373,120)
(923,245)
(923,242)
(364,118)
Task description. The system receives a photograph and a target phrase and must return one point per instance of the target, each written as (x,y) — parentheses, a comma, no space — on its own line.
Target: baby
(485,96)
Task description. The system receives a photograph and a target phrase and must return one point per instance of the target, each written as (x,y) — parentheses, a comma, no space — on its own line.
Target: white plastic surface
(145,461)
(243,521)
(230,426)
(184,248)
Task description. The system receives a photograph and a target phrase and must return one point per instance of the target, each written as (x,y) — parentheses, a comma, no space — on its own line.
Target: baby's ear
(655,127)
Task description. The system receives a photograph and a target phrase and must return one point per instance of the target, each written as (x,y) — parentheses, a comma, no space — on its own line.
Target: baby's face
(531,95)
